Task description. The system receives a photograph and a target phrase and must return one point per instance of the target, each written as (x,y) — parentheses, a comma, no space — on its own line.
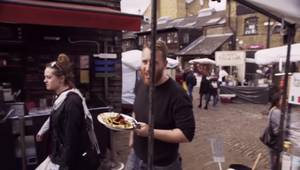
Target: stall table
(257,95)
(23,128)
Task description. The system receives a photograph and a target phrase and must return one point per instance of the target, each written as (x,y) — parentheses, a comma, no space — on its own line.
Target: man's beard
(158,76)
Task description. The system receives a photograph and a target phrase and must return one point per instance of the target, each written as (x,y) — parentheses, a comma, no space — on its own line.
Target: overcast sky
(133,6)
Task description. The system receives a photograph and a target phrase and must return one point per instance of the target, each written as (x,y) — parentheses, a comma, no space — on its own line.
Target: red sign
(255,46)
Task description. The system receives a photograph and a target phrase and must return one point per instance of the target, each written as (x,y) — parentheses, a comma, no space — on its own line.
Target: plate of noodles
(117,121)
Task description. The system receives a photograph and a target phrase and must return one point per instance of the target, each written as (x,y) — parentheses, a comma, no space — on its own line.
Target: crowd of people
(208,85)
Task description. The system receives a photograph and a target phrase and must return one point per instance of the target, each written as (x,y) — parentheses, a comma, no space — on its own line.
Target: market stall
(203,66)
(289,16)
(236,83)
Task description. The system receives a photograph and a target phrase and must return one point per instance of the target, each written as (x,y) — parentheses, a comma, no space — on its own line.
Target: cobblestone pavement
(238,124)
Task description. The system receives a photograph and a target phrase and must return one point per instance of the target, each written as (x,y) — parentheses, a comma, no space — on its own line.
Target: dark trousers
(274,155)
(207,98)
(190,90)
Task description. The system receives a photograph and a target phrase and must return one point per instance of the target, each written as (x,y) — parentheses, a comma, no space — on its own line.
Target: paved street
(238,124)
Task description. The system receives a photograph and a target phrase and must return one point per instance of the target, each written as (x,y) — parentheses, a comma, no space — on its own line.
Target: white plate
(102,116)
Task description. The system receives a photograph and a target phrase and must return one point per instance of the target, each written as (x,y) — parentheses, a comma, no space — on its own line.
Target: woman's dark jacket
(67,133)
(204,86)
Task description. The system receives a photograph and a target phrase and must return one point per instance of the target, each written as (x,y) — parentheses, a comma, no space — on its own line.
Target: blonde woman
(69,137)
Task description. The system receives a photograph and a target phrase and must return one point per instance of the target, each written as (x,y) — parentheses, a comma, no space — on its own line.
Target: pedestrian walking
(191,81)
(70,123)
(214,87)
(174,120)
(272,130)
(204,90)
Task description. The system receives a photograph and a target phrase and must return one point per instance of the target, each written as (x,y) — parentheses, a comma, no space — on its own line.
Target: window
(140,40)
(160,37)
(169,38)
(251,26)
(276,28)
(172,37)
(186,38)
(147,40)
(175,37)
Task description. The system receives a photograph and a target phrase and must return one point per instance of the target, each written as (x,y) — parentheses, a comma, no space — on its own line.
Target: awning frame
(67,15)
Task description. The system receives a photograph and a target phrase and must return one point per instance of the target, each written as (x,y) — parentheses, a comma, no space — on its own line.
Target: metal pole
(282,126)
(152,75)
(22,141)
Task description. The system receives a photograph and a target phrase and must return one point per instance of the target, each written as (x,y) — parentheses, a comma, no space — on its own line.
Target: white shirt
(222,74)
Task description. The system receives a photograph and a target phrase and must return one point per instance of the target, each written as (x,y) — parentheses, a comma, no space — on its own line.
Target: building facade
(254,30)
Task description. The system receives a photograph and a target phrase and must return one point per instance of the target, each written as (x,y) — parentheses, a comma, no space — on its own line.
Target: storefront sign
(294,92)
(106,55)
(255,46)
(230,58)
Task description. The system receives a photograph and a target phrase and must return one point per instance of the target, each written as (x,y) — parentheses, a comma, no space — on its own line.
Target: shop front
(33,33)
(235,83)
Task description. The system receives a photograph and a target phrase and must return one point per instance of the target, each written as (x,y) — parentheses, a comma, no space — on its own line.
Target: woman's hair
(63,67)
(275,99)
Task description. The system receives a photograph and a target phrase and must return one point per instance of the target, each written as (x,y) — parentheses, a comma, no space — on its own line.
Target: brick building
(251,28)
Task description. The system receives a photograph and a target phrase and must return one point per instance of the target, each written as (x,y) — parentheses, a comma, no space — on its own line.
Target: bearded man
(174,121)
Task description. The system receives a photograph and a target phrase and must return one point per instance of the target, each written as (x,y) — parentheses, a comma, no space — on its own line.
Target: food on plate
(118,121)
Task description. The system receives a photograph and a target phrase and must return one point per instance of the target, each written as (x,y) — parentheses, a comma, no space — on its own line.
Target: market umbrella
(202,61)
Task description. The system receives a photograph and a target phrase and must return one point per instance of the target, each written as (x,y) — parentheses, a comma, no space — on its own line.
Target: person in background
(70,124)
(191,81)
(222,75)
(179,76)
(274,117)
(174,120)
(204,90)
(214,86)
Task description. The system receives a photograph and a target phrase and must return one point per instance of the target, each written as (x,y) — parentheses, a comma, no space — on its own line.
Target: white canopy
(133,59)
(274,55)
(172,63)
(202,61)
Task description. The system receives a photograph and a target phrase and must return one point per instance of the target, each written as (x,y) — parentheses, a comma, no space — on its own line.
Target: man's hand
(166,135)
(143,130)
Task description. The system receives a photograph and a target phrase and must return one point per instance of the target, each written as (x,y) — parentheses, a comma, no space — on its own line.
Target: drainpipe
(268,33)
